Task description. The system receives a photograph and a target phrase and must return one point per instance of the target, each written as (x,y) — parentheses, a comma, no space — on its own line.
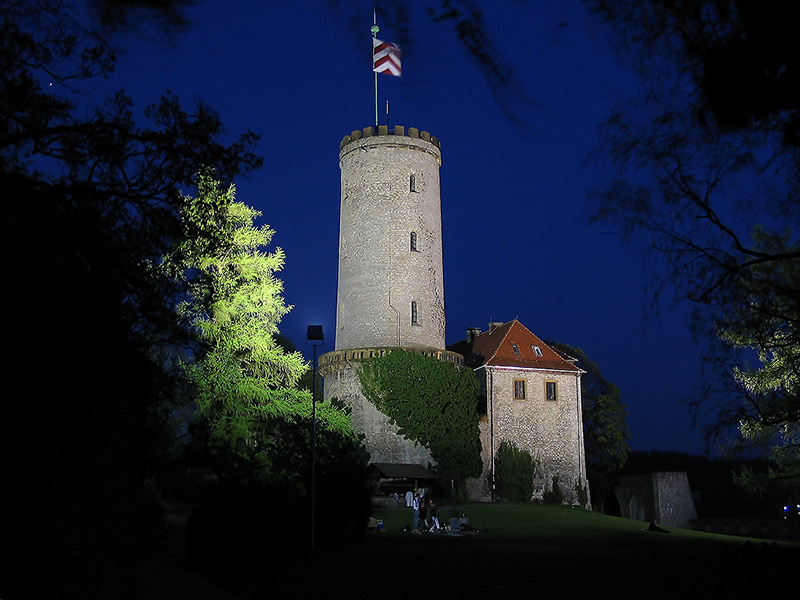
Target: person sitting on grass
(463,523)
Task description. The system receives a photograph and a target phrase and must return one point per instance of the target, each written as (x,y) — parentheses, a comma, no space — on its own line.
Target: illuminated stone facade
(532,398)
(391,295)
(391,286)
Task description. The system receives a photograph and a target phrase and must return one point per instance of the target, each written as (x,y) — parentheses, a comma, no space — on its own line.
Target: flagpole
(375,29)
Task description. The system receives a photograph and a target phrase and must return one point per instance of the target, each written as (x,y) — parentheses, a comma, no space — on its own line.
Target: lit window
(550,390)
(413,241)
(536,350)
(414,316)
(515,348)
(519,389)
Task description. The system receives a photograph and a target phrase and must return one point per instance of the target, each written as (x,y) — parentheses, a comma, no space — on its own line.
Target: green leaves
(514,472)
(243,378)
(433,403)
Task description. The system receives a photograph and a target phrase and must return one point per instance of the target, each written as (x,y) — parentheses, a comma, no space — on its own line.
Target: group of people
(427,514)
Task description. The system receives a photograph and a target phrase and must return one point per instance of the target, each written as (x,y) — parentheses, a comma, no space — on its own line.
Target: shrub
(514,473)
(554,496)
(247,519)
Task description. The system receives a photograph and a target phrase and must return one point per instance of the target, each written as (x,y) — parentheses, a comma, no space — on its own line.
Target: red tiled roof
(512,345)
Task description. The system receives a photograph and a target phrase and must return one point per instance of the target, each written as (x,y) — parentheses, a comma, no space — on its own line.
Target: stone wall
(663,497)
(381,437)
(390,190)
(550,431)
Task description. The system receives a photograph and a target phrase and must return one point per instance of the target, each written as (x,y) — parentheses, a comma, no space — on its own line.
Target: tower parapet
(330,361)
(398,130)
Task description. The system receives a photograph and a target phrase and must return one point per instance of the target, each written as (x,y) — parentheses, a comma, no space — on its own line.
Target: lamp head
(315,335)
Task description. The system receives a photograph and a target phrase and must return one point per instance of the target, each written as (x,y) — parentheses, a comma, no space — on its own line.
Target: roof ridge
(500,343)
(524,333)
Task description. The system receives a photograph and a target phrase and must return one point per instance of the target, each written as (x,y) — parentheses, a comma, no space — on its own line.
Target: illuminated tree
(245,380)
(251,413)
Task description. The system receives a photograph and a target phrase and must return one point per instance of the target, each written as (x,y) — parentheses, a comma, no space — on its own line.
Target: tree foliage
(606,436)
(105,181)
(255,420)
(433,403)
(90,190)
(514,473)
(249,522)
(244,378)
(707,179)
(92,205)
(739,54)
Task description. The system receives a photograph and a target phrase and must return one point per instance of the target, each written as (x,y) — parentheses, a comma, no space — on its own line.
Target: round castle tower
(391,284)
(391,287)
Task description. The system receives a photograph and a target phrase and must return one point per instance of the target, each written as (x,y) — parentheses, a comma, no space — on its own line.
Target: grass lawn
(532,549)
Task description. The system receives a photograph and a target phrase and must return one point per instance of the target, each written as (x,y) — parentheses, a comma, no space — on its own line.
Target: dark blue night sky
(514,177)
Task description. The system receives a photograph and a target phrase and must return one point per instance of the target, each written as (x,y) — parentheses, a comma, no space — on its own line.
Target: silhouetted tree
(605,430)
(739,56)
(707,178)
(90,206)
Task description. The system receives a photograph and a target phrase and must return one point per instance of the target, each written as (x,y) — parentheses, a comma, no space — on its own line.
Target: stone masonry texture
(550,431)
(390,292)
(389,190)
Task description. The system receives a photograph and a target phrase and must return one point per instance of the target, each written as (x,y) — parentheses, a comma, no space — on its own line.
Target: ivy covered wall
(432,402)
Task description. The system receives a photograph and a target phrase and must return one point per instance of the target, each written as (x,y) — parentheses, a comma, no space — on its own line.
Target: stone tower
(391,285)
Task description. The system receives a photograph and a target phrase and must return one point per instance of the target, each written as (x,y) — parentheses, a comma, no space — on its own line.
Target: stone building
(663,497)
(391,282)
(391,295)
(531,397)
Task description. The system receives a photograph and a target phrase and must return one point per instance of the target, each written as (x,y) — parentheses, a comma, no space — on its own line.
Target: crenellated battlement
(398,130)
(330,360)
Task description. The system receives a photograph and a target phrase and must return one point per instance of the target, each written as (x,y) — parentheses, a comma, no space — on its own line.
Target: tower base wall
(381,437)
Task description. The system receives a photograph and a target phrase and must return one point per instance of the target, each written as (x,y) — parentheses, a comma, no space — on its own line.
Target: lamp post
(315,337)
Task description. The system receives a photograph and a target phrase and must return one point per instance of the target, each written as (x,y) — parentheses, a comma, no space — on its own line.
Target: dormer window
(536,350)
(515,348)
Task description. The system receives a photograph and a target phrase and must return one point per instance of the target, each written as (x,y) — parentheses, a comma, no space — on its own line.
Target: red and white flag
(385,57)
